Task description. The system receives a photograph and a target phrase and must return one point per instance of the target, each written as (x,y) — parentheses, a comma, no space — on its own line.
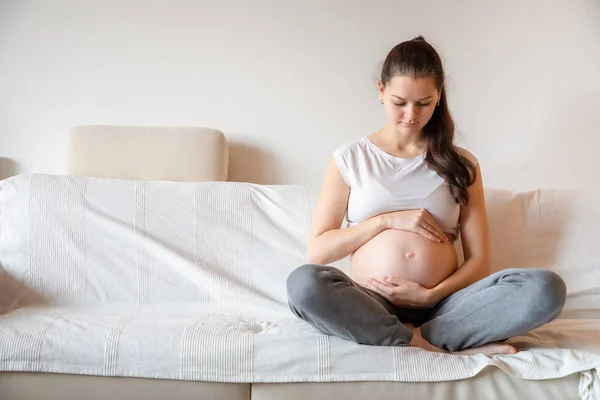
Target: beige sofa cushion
(148,153)
(43,386)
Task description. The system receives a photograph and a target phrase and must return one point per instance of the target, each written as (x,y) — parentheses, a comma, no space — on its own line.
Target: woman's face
(409,102)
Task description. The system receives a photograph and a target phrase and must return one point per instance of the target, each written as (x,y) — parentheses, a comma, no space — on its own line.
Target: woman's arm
(328,242)
(474,232)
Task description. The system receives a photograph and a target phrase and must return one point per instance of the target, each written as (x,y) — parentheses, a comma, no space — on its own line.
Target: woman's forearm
(470,272)
(336,244)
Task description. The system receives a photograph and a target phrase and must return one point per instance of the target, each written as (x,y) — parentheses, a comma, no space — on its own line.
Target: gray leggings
(506,304)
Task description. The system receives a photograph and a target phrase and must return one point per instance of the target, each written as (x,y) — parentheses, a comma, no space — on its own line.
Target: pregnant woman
(407,192)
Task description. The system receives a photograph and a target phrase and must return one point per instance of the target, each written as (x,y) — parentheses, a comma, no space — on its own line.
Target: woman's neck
(402,141)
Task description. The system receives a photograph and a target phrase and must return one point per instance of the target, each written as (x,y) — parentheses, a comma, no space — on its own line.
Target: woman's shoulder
(350,147)
(467,154)
(349,158)
(351,152)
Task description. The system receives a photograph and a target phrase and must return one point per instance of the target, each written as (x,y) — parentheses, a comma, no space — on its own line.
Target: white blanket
(187,281)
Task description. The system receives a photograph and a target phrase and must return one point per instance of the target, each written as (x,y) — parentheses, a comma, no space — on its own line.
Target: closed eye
(418,104)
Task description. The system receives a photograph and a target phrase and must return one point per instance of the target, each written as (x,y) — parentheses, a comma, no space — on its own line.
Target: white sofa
(160,289)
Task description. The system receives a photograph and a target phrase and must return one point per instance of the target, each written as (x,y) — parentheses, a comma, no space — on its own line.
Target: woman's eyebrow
(424,98)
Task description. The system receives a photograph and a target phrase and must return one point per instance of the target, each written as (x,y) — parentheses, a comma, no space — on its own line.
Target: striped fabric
(186,281)
(551,229)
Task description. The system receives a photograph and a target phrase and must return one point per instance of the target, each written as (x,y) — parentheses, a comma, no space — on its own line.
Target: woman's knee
(548,293)
(305,283)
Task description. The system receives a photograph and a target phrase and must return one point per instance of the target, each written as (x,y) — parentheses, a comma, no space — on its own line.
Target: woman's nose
(410,113)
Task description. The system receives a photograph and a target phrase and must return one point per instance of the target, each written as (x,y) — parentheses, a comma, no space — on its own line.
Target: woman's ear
(380,88)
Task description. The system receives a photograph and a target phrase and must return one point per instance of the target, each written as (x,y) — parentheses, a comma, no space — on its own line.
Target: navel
(410,255)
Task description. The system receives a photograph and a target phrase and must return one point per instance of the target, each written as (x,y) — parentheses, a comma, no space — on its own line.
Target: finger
(372,283)
(384,283)
(434,225)
(428,218)
(434,231)
(429,235)
(378,287)
(392,280)
(424,232)
(385,296)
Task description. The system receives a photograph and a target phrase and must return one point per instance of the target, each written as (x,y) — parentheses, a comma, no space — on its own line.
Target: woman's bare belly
(404,255)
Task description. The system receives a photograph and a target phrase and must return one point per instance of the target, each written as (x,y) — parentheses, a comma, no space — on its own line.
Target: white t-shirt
(380,182)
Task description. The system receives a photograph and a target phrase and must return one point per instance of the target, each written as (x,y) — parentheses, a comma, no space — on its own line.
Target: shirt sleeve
(342,159)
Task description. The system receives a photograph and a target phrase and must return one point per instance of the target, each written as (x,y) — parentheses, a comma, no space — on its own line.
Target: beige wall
(288,81)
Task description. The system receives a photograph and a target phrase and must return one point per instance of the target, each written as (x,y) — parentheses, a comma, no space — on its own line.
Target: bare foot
(418,341)
(489,349)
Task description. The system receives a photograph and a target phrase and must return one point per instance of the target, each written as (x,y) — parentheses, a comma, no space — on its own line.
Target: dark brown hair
(417,59)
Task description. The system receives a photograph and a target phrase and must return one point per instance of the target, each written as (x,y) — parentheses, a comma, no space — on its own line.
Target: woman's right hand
(417,221)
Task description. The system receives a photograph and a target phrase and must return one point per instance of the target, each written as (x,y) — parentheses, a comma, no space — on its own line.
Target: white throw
(187,281)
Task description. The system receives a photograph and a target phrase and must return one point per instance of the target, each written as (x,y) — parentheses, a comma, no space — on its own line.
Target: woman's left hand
(403,293)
